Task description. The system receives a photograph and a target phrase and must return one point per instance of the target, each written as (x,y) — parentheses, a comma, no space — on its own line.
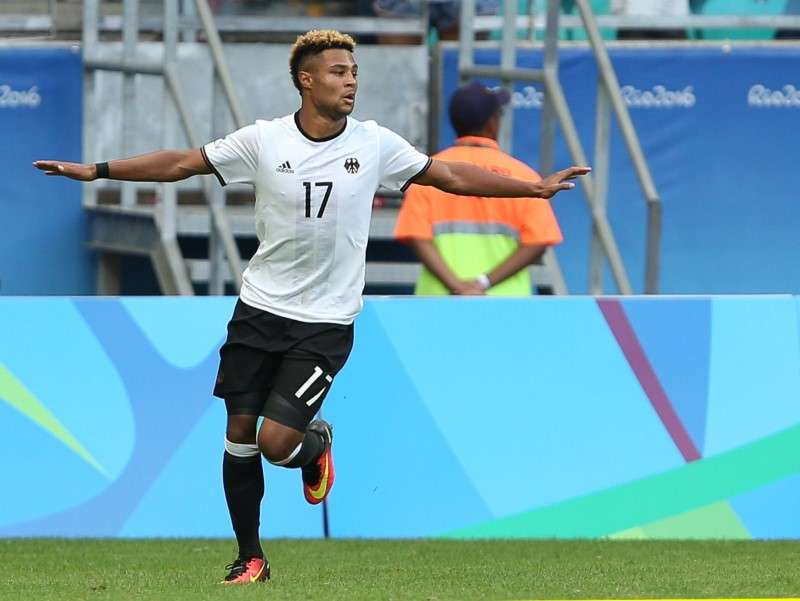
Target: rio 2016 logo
(11,98)
(658,97)
(528,98)
(762,96)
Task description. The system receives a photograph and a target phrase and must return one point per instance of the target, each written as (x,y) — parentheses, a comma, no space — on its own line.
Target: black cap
(473,104)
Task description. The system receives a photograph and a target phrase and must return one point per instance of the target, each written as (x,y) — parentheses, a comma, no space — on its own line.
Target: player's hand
(560,181)
(78,171)
(469,288)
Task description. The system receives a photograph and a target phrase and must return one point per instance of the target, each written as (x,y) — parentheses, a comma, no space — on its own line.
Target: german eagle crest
(351,165)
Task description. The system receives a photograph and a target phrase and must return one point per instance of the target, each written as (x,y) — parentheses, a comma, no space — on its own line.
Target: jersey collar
(477,141)
(312,138)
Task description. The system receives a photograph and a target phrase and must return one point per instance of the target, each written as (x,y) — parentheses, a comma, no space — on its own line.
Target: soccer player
(315,173)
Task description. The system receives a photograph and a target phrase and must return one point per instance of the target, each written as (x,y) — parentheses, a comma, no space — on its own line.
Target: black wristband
(102,170)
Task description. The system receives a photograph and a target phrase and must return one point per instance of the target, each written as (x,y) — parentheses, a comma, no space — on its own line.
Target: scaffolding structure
(556,112)
(127,228)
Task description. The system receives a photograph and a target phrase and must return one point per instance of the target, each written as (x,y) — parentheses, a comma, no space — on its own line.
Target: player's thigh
(301,383)
(245,376)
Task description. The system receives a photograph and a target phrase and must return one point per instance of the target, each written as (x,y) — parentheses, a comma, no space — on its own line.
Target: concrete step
(133,231)
(377,273)
(193,220)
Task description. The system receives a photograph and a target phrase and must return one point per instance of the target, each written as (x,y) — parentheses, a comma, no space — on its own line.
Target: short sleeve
(538,224)
(414,219)
(400,162)
(234,158)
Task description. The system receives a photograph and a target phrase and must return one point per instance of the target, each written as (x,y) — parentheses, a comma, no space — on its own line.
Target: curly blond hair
(313,42)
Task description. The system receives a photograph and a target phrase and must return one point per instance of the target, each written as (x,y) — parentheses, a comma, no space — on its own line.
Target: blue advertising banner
(43,242)
(718,127)
(543,417)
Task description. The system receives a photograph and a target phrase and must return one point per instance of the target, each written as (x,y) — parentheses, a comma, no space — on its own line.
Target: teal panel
(533,396)
(675,335)
(184,333)
(754,374)
(739,7)
(666,495)
(41,475)
(396,473)
(48,349)
(771,512)
(453,415)
(797,307)
(187,498)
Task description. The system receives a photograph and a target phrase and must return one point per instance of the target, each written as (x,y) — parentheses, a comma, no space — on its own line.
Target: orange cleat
(319,476)
(247,571)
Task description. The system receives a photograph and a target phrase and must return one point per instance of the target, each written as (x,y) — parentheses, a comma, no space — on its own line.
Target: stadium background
(670,417)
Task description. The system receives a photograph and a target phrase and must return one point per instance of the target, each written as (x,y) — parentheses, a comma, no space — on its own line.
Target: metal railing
(609,98)
(508,73)
(52,18)
(556,110)
(693,21)
(190,23)
(222,242)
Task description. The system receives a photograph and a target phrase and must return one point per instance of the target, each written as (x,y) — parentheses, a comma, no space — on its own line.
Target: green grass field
(44,570)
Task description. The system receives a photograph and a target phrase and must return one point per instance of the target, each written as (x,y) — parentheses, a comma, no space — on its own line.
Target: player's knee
(277,451)
(277,442)
(241,451)
(241,428)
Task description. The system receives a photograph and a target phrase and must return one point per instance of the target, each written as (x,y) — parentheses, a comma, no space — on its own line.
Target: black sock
(311,448)
(243,479)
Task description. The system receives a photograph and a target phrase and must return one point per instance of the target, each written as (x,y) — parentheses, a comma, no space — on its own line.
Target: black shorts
(278,367)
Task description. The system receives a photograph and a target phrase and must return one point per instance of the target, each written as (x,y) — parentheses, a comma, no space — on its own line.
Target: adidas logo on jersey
(284,168)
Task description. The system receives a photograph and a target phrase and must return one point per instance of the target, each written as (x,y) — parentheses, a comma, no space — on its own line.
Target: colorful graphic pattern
(673,417)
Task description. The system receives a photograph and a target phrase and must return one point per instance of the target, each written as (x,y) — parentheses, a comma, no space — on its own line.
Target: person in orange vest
(472,245)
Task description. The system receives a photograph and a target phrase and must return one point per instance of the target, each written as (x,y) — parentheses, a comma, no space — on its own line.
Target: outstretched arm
(466,179)
(159,166)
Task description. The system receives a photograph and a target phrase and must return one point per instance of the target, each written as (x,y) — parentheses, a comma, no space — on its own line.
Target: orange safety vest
(475,234)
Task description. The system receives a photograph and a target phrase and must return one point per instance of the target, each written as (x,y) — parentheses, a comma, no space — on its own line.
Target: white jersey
(313,210)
